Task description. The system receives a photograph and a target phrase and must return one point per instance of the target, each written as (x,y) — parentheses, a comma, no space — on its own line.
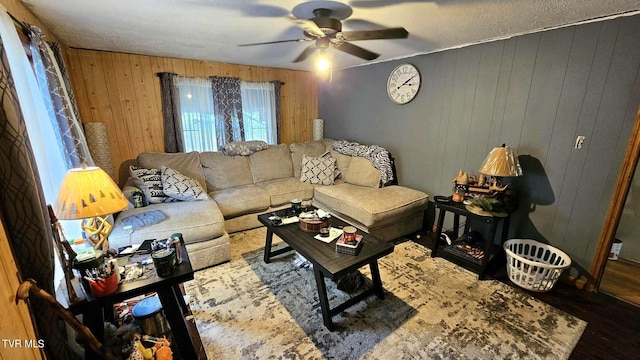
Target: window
(196,107)
(259,111)
(196,110)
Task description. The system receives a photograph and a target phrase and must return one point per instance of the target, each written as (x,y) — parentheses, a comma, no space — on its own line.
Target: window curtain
(170,96)
(258,107)
(227,106)
(277,85)
(22,205)
(57,96)
(197,114)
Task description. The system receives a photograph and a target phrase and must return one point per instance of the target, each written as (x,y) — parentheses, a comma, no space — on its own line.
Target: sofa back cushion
(342,161)
(272,163)
(309,148)
(224,172)
(187,164)
(361,172)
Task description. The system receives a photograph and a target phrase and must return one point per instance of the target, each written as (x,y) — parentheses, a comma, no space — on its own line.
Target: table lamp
(501,162)
(90,194)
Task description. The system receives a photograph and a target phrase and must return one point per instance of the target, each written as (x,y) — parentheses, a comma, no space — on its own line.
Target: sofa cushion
(318,170)
(342,162)
(309,148)
(223,172)
(196,220)
(186,163)
(282,191)
(149,181)
(180,187)
(361,172)
(241,200)
(273,163)
(372,206)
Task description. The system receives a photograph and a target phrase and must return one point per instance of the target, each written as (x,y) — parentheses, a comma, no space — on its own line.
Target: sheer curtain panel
(259,111)
(197,114)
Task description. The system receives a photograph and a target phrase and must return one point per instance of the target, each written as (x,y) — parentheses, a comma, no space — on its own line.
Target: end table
(479,266)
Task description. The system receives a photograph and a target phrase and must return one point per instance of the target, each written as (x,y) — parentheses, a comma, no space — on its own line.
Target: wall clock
(403,84)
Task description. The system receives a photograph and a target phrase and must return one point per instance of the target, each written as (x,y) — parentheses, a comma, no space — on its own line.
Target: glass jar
(458,195)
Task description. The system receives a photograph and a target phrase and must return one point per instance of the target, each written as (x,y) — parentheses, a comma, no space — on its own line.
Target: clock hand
(405,83)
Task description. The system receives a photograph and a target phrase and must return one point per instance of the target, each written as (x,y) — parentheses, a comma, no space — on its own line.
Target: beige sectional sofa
(242,187)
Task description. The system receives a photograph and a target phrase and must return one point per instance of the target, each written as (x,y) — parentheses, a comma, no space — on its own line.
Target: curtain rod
(168,72)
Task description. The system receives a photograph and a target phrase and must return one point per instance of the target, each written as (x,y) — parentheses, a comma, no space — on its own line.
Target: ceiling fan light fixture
(322,63)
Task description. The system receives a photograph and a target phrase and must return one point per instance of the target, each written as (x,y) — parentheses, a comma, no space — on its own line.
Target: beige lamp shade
(88,192)
(501,161)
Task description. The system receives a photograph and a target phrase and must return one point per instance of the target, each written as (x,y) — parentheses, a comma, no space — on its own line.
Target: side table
(451,253)
(96,310)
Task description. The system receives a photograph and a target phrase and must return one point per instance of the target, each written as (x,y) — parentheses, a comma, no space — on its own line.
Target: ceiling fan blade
(356,51)
(305,53)
(390,33)
(276,42)
(308,26)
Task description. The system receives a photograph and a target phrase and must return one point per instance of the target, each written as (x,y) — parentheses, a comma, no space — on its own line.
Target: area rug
(433,309)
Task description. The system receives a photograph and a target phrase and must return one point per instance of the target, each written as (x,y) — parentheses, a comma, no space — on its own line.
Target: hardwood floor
(613,330)
(621,279)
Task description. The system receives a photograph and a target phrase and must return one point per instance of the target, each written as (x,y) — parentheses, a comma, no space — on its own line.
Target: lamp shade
(501,161)
(88,192)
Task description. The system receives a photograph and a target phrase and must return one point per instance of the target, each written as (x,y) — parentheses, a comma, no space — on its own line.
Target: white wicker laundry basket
(533,265)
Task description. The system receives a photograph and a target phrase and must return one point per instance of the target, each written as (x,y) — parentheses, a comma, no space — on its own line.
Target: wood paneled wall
(123,91)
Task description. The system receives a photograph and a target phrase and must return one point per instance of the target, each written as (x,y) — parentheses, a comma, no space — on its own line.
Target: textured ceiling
(213,29)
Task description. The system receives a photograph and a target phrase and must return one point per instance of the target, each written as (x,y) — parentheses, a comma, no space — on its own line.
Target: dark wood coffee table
(327,262)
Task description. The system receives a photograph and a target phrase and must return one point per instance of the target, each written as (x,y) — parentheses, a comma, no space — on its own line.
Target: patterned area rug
(433,309)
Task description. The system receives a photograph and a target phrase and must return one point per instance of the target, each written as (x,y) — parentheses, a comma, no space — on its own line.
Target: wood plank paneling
(535,93)
(123,91)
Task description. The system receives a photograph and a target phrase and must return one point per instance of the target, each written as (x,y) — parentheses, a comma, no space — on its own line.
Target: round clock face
(403,83)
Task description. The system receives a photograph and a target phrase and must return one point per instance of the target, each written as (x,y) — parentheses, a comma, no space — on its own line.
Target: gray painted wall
(535,93)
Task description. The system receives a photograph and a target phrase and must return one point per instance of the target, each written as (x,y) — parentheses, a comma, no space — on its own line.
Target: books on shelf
(350,249)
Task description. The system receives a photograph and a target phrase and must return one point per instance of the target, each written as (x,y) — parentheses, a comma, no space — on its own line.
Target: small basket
(104,287)
(533,265)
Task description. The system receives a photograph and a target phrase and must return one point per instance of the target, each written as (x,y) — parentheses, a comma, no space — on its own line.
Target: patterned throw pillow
(180,187)
(327,155)
(245,148)
(318,170)
(150,182)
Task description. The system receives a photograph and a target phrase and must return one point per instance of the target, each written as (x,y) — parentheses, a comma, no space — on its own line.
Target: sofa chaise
(240,187)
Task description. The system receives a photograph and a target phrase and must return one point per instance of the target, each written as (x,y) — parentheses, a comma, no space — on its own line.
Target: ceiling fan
(321,23)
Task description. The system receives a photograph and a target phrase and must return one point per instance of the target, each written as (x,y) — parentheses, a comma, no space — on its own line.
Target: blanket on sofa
(143,219)
(379,156)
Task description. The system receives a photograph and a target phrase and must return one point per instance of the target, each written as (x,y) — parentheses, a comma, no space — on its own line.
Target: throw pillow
(243,147)
(150,182)
(318,170)
(327,155)
(180,187)
(361,172)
